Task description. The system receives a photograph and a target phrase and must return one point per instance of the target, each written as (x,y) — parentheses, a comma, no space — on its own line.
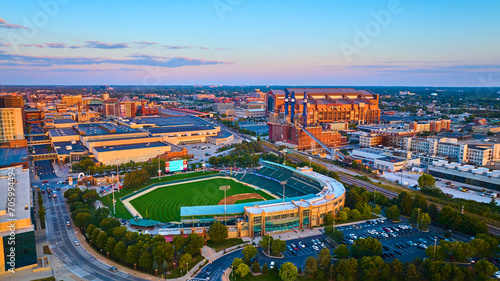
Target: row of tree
(41,209)
(109,237)
(244,154)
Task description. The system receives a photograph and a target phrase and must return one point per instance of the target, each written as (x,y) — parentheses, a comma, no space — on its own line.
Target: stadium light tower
(284,183)
(225,188)
(310,158)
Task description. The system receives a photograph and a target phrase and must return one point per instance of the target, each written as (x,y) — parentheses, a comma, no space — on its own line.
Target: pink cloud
(4,24)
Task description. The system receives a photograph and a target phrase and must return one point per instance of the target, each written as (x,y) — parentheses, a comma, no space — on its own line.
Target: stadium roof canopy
(235,208)
(143,222)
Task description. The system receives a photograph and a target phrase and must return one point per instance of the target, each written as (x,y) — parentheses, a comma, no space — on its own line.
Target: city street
(61,239)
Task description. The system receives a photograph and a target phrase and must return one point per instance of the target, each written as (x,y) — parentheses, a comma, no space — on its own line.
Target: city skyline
(388,43)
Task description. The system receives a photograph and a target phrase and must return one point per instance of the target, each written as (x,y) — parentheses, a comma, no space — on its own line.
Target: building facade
(11,124)
(326,105)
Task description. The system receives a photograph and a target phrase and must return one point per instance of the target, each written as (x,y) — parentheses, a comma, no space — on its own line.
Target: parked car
(113,269)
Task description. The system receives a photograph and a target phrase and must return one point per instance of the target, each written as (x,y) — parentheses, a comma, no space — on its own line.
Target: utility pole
(225,188)
(284,183)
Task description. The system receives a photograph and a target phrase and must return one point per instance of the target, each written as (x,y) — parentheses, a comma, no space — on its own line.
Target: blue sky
(243,42)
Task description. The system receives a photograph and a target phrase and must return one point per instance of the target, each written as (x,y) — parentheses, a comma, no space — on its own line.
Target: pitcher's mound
(234,198)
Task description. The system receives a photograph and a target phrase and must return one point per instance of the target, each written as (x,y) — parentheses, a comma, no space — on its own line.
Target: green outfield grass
(164,204)
(123,213)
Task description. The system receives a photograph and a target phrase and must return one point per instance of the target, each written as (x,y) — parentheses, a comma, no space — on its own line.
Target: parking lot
(405,244)
(401,241)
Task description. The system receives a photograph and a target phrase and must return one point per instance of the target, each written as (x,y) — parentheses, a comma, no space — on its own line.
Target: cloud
(4,24)
(136,60)
(56,45)
(32,45)
(177,47)
(144,43)
(100,45)
(5,45)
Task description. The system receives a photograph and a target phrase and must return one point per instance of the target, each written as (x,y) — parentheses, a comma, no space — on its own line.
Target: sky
(250,42)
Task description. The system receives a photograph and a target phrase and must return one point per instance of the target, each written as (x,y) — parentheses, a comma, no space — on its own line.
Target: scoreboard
(175,166)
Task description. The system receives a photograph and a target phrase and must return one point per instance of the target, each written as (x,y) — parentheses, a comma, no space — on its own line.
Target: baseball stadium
(271,199)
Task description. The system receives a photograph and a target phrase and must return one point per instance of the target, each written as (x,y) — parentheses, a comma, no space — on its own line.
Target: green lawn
(247,201)
(164,204)
(225,244)
(123,213)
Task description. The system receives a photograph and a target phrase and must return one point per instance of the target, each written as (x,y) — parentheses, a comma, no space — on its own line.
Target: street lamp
(418,215)
(284,183)
(225,188)
(159,170)
(117,177)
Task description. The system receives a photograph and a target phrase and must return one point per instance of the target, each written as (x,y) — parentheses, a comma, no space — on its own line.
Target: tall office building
(11,124)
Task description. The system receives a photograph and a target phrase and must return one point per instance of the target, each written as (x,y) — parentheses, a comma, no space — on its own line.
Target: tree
(406,205)
(109,223)
(397,268)
(433,211)
(249,252)
(288,272)
(242,270)
(426,181)
(356,215)
(277,246)
(371,267)
(342,216)
(120,250)
(377,210)
(213,161)
(184,261)
(218,232)
(265,269)
(236,262)
(194,244)
(110,245)
(337,235)
(484,269)
(423,221)
(414,215)
(82,219)
(265,242)
(324,258)
(311,266)
(346,269)
(102,239)
(256,267)
(393,213)
(145,260)
(411,273)
(328,219)
(163,251)
(366,247)
(341,252)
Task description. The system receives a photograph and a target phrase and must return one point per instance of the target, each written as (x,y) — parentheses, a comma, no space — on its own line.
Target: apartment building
(370,140)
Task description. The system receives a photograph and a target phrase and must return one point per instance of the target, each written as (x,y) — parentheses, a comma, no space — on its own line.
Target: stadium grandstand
(308,196)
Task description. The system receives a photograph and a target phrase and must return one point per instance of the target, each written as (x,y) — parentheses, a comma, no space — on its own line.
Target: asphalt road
(215,269)
(75,258)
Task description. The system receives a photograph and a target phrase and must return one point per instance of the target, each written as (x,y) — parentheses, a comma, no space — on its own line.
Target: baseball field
(164,204)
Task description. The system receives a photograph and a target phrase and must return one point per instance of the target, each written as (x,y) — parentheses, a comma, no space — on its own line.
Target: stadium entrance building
(308,197)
